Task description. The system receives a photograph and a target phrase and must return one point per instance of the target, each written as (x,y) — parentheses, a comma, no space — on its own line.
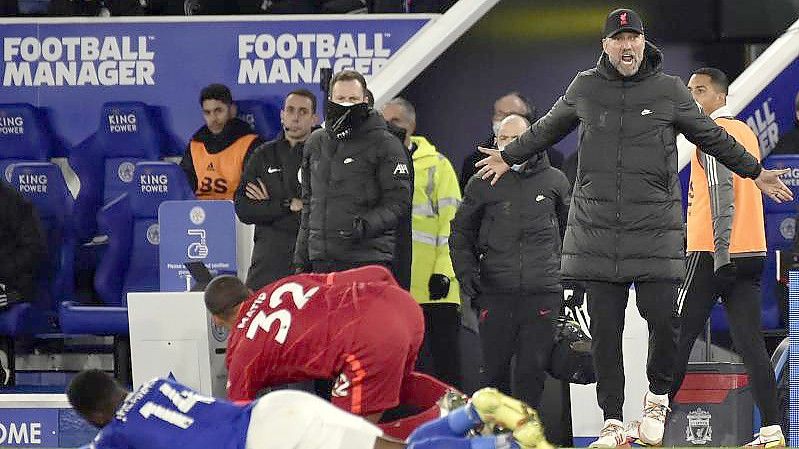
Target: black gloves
(359,228)
(471,286)
(438,286)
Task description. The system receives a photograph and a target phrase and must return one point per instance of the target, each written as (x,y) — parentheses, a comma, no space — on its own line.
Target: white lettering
(54,61)
(11,48)
(299,58)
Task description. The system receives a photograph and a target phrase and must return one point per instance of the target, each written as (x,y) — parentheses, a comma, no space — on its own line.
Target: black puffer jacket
(277,165)
(511,233)
(365,177)
(22,246)
(625,222)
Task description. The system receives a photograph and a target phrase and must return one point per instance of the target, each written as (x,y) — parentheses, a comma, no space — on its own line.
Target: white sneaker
(612,434)
(770,436)
(650,431)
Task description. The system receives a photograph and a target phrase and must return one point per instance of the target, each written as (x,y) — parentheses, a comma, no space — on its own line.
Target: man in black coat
(625,224)
(22,247)
(355,184)
(505,248)
(269,192)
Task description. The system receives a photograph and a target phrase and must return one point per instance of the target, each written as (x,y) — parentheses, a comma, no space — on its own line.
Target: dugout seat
(43,184)
(128,133)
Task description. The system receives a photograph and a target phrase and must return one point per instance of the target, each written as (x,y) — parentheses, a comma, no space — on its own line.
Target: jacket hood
(423,147)
(652,64)
(214,143)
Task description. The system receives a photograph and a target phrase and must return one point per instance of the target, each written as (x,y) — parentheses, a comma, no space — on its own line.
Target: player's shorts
(289,419)
(387,341)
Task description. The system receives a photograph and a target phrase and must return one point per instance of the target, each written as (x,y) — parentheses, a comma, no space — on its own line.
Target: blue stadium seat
(25,136)
(127,134)
(130,261)
(263,117)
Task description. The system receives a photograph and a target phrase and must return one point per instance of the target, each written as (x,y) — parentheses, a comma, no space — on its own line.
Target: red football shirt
(295,329)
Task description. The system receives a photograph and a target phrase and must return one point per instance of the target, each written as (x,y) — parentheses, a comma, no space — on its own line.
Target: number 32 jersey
(164,414)
(300,328)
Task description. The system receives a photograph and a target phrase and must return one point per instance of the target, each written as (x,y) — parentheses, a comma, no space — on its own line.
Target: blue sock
(455,424)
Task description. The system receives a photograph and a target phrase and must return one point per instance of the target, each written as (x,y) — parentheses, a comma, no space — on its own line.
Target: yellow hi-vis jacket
(436,196)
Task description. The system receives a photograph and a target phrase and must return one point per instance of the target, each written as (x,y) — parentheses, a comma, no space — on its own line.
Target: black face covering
(341,121)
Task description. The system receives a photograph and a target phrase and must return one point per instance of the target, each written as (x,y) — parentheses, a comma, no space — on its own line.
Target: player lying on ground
(163,414)
(357,326)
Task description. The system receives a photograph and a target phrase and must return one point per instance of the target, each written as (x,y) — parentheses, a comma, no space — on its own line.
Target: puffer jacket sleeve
(710,137)
(466,229)
(548,130)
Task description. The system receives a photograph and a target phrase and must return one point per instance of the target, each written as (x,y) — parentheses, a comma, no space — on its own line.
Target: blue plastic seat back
(24,136)
(127,134)
(264,118)
(115,220)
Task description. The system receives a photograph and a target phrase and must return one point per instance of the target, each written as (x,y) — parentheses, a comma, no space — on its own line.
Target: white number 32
(283,317)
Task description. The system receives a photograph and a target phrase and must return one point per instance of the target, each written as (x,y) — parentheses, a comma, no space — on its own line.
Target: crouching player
(357,326)
(163,414)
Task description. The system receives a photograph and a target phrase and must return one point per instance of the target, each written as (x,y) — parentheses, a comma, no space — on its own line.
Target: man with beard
(625,224)
(219,150)
(355,184)
(269,193)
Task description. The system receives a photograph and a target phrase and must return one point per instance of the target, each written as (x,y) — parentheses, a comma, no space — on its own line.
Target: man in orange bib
(726,251)
(218,151)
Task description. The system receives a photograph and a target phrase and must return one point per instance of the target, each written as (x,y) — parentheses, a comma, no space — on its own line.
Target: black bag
(571,360)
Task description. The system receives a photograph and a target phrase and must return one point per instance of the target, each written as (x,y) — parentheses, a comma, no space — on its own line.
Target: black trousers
(606,306)
(741,299)
(519,325)
(440,352)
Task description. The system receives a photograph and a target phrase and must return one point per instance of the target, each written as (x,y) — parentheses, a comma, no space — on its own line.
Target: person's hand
(471,287)
(256,191)
(492,166)
(438,286)
(295,205)
(769,182)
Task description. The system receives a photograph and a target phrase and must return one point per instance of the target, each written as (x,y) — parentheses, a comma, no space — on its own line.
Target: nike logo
(544,312)
(349,160)
(646,112)
(272,170)
(540,198)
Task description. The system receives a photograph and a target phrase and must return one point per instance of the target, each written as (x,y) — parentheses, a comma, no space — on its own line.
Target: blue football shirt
(164,414)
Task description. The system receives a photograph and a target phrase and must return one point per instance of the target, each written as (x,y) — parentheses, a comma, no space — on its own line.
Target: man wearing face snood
(355,184)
